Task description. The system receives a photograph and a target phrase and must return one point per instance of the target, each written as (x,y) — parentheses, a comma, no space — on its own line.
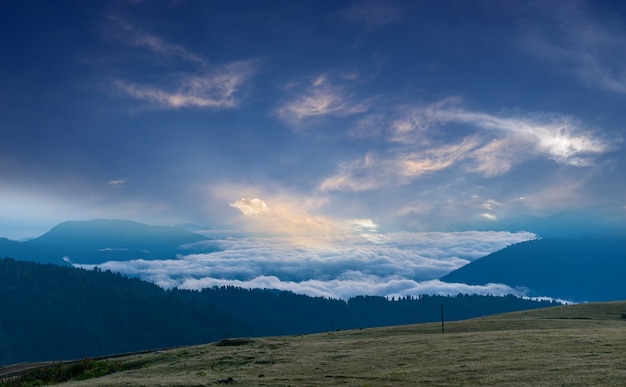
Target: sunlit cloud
(489,145)
(338,265)
(200,85)
(216,89)
(373,171)
(272,211)
(316,99)
(489,216)
(250,206)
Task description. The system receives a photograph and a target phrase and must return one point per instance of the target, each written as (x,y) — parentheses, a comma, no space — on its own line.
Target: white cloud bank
(341,266)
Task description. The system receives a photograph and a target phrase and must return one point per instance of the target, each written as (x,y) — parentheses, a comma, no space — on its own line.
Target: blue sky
(310,118)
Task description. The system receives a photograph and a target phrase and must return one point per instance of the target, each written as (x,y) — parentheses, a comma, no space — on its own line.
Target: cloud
(372,171)
(118,182)
(363,285)
(216,89)
(436,137)
(316,99)
(251,206)
(593,50)
(122,30)
(558,137)
(200,85)
(271,210)
(338,266)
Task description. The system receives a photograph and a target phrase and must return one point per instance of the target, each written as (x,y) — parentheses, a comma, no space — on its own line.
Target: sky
(311,119)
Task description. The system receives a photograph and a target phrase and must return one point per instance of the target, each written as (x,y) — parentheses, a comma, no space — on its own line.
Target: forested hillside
(591,268)
(51,312)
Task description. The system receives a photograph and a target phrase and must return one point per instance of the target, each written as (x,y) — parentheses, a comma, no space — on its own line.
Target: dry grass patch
(548,348)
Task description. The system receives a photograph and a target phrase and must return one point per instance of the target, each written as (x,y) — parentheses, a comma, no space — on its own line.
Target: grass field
(577,345)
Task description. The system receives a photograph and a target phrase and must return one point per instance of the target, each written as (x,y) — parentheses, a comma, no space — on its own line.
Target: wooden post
(442,330)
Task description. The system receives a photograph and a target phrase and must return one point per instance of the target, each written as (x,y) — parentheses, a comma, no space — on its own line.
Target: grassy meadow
(577,345)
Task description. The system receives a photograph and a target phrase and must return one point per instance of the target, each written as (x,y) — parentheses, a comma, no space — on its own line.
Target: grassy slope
(573,345)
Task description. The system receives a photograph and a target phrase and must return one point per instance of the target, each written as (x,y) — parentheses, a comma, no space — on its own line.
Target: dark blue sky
(309,117)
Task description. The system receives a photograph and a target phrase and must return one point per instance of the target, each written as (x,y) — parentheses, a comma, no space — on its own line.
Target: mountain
(192,227)
(564,224)
(589,268)
(100,240)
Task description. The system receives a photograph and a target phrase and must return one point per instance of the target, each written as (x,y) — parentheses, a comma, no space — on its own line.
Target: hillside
(576,345)
(51,312)
(100,240)
(583,269)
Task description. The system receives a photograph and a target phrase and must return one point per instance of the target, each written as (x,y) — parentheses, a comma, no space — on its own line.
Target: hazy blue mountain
(192,227)
(101,240)
(564,224)
(589,268)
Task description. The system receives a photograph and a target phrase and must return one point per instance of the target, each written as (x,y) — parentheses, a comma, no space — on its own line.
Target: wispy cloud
(593,50)
(200,85)
(338,266)
(373,172)
(123,30)
(217,89)
(118,182)
(478,142)
(317,98)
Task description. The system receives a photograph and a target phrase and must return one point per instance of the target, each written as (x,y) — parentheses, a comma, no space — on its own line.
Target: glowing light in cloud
(250,206)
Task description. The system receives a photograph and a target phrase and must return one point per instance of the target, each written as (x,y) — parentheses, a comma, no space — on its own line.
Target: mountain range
(586,268)
(100,240)
(605,220)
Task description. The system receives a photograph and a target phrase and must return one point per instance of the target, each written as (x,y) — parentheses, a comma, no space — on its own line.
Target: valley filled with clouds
(334,266)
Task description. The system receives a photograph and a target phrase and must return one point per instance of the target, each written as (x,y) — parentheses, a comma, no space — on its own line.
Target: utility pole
(442,330)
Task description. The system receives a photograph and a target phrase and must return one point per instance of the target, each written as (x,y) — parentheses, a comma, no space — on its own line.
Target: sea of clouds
(341,266)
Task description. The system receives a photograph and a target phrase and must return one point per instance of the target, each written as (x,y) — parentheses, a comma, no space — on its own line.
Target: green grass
(578,345)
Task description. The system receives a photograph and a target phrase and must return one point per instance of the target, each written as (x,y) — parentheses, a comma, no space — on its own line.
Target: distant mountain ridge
(589,268)
(564,224)
(100,240)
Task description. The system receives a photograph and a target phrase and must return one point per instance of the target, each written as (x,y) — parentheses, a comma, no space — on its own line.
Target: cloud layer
(339,266)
